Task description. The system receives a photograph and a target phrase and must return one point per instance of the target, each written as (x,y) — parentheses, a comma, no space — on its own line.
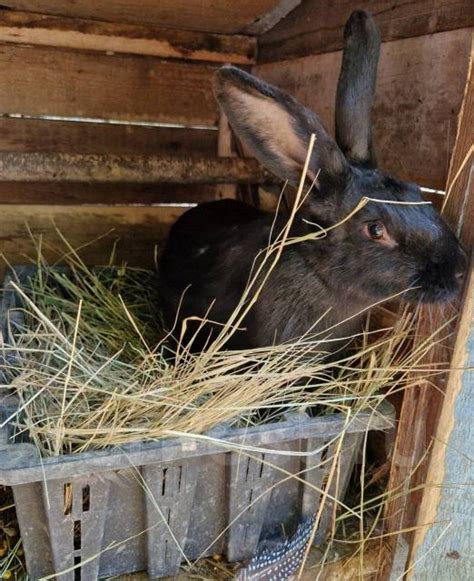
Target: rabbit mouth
(428,293)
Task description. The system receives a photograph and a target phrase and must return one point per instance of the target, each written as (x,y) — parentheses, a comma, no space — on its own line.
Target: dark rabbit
(382,250)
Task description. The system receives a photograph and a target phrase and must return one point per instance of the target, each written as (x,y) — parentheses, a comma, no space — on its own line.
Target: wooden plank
(69,167)
(422,404)
(39,81)
(442,546)
(39,29)
(80,193)
(316,26)
(419,93)
(77,137)
(269,19)
(224,16)
(135,230)
(224,149)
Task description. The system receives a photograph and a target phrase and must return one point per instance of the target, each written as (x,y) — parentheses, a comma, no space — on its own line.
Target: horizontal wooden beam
(221,16)
(64,167)
(44,135)
(39,29)
(131,232)
(107,193)
(39,81)
(316,26)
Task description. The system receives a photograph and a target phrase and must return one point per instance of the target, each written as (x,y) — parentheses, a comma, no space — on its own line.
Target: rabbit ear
(356,87)
(275,127)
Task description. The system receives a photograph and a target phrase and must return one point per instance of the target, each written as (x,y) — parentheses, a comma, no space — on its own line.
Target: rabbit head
(388,246)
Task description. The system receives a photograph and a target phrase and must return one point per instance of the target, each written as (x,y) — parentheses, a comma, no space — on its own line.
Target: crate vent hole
(166,551)
(262,466)
(180,477)
(245,535)
(86,498)
(163,483)
(168,517)
(247,470)
(67,498)
(77,535)
(77,568)
(250,509)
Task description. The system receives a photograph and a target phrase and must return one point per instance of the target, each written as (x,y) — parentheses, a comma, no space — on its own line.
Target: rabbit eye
(376,230)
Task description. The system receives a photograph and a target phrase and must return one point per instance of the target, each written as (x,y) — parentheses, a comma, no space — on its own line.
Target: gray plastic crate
(149,506)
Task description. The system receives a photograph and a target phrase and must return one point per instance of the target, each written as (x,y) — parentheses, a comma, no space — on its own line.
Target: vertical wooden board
(419,93)
(40,81)
(423,403)
(208,15)
(444,540)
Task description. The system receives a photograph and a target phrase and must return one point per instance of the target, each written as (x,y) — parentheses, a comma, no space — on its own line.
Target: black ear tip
(360,24)
(228,74)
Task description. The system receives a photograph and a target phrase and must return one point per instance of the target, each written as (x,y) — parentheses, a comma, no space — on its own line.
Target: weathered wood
(226,16)
(43,30)
(224,149)
(422,404)
(272,17)
(316,26)
(41,81)
(442,547)
(42,135)
(419,93)
(65,167)
(80,193)
(135,230)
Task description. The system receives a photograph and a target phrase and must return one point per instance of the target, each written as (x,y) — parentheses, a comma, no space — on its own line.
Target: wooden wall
(419,94)
(134,79)
(78,87)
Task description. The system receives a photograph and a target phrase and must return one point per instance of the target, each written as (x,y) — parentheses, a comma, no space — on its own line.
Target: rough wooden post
(423,403)
(442,547)
(224,149)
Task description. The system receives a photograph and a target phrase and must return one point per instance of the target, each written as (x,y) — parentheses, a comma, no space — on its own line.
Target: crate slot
(77,535)
(67,498)
(163,482)
(86,498)
(77,568)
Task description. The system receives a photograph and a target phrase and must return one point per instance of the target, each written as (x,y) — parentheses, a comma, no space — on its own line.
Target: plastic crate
(150,506)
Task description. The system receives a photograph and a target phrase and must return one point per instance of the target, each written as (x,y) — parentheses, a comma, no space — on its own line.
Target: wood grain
(83,193)
(39,81)
(316,26)
(442,547)
(39,29)
(422,404)
(226,16)
(135,230)
(69,167)
(41,135)
(419,94)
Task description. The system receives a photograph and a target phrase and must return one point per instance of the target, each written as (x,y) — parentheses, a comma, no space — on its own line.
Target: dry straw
(93,368)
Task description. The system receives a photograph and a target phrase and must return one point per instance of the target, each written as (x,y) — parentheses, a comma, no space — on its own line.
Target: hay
(93,369)
(89,372)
